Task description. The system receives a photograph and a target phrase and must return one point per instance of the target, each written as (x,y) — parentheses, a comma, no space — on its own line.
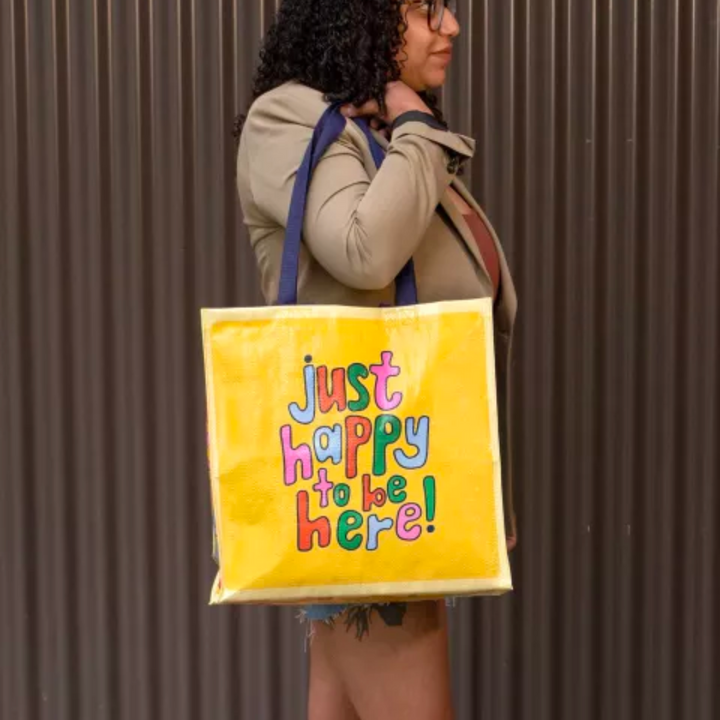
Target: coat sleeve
(362,229)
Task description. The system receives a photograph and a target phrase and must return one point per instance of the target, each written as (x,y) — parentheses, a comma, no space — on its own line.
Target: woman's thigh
(393,673)
(328,699)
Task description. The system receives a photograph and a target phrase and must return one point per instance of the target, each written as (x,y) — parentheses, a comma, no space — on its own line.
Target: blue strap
(377,152)
(327,131)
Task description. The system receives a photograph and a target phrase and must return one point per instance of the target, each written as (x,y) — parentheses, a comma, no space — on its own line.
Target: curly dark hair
(346,49)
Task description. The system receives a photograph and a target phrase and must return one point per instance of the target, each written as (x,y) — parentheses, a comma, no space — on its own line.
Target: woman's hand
(399,99)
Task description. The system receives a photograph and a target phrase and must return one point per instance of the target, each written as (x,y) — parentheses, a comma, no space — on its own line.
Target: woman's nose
(450,25)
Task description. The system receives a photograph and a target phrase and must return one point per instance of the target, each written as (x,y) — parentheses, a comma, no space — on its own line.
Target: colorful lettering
(419,437)
(328,444)
(336,396)
(341,495)
(407,528)
(306,416)
(387,432)
(372,497)
(294,455)
(383,373)
(366,420)
(349,521)
(358,431)
(307,528)
(355,372)
(323,486)
(429,489)
(375,527)
(396,489)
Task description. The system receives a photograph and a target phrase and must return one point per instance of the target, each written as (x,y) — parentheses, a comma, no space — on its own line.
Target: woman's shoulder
(288,104)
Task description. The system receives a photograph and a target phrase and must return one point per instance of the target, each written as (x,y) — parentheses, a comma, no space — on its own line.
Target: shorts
(356,616)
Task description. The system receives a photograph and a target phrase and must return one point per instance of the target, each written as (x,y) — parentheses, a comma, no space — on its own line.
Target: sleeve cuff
(418,116)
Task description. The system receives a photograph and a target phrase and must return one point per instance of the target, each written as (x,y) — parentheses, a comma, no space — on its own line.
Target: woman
(380,59)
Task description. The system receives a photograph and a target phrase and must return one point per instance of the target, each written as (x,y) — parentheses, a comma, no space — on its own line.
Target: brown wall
(598,160)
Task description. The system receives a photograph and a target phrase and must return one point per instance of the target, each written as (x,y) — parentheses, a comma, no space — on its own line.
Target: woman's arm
(361,231)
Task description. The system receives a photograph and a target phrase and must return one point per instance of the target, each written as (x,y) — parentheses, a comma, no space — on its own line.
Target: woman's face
(427,51)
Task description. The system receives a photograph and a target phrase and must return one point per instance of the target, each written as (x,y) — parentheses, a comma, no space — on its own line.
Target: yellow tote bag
(354,453)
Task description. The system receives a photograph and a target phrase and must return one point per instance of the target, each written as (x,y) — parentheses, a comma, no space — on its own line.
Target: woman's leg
(327,697)
(393,673)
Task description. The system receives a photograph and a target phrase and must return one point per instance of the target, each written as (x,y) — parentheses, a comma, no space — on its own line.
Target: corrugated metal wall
(599,142)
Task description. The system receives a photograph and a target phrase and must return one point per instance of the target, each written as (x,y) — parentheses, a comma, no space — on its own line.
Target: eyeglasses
(435,10)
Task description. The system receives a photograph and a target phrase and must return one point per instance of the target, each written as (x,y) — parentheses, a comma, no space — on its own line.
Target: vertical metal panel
(598,126)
